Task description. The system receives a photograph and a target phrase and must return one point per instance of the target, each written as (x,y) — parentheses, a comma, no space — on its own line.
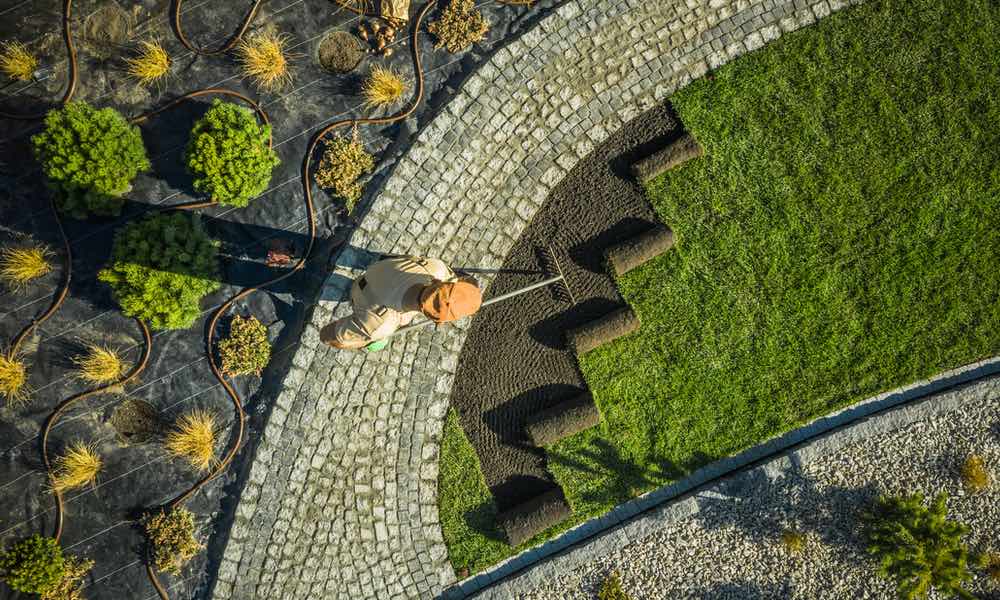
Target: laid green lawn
(839,238)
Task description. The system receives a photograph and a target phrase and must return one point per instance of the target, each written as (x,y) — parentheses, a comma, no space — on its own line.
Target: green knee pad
(376,346)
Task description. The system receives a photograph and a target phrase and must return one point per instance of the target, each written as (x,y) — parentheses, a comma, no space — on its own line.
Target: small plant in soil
(150,64)
(611,588)
(193,439)
(344,161)
(263,58)
(918,547)
(17,62)
(13,379)
(34,565)
(99,364)
(76,467)
(161,268)
(246,349)
(384,87)
(459,26)
(70,587)
(90,158)
(20,265)
(991,564)
(171,539)
(229,154)
(794,541)
(975,474)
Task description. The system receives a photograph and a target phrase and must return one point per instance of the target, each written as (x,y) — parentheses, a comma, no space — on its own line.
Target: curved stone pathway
(341,500)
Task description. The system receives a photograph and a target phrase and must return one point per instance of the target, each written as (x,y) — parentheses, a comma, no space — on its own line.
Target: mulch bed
(515,362)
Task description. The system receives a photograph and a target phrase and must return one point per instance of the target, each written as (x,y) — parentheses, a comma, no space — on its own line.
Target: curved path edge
(341,498)
(639,518)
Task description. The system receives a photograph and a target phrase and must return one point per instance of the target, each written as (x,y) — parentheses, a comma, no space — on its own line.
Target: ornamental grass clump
(246,349)
(344,161)
(384,87)
(161,268)
(459,26)
(193,439)
(70,587)
(229,154)
(150,64)
(76,467)
(918,547)
(19,266)
(34,565)
(171,539)
(975,474)
(17,62)
(99,364)
(13,379)
(264,59)
(90,158)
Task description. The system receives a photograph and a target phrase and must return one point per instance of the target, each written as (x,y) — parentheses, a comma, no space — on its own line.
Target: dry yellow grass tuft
(13,376)
(264,59)
(16,61)
(384,87)
(150,64)
(975,474)
(99,364)
(76,467)
(18,266)
(193,438)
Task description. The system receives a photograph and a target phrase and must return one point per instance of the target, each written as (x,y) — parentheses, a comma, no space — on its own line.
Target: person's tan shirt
(384,299)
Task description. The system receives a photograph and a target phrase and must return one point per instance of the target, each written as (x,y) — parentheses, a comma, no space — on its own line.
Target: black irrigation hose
(175,23)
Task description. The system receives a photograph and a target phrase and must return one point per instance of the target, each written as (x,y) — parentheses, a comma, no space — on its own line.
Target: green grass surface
(840,238)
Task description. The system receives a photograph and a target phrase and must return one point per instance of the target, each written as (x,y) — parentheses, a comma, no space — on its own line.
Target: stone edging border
(643,516)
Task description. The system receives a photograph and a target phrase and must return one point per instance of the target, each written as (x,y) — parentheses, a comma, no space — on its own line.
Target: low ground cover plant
(161,267)
(459,26)
(264,58)
(70,587)
(150,64)
(89,158)
(77,466)
(611,588)
(171,539)
(794,541)
(192,438)
(918,547)
(976,475)
(229,154)
(34,565)
(17,62)
(343,162)
(21,265)
(246,349)
(383,88)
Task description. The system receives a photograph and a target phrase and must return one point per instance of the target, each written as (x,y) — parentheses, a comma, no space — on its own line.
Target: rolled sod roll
(528,519)
(562,420)
(633,252)
(601,331)
(682,150)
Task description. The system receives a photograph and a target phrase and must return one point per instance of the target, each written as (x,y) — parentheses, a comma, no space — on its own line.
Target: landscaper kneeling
(395,290)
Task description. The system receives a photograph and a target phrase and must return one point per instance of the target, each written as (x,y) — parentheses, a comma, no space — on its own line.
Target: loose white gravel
(731,548)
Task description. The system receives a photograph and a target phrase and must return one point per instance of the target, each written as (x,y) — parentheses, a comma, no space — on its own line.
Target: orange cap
(448,301)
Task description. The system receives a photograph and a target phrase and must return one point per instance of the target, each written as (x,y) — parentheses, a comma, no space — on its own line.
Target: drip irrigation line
(175,23)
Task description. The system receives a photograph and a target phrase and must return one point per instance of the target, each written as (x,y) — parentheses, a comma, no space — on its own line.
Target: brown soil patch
(135,421)
(106,30)
(341,52)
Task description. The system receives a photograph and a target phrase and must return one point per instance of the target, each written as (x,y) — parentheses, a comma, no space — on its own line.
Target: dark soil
(515,362)
(341,52)
(136,421)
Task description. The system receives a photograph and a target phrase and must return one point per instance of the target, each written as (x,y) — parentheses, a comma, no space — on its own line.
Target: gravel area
(731,548)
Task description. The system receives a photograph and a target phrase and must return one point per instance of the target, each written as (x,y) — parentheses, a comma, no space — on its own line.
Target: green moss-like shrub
(161,267)
(171,539)
(611,588)
(70,587)
(918,547)
(229,155)
(246,349)
(459,26)
(344,161)
(34,565)
(90,158)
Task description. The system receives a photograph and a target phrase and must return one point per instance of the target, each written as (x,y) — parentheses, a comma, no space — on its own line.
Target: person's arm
(360,329)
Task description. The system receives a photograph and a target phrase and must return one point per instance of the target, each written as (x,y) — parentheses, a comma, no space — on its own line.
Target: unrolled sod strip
(534,516)
(562,420)
(635,251)
(601,331)
(682,150)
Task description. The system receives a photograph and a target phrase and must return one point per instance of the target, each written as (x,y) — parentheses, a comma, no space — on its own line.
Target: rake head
(549,260)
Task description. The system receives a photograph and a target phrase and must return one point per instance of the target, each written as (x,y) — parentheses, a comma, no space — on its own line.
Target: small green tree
(34,565)
(90,158)
(918,546)
(229,155)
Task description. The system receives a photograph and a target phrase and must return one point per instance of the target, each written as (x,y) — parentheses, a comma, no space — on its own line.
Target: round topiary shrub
(229,156)
(90,158)
(246,349)
(161,267)
(34,565)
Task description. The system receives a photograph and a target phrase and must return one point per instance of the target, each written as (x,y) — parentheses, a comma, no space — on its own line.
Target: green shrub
(70,587)
(611,588)
(33,566)
(918,547)
(344,161)
(975,474)
(460,26)
(171,539)
(90,158)
(161,268)
(246,349)
(793,540)
(229,156)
